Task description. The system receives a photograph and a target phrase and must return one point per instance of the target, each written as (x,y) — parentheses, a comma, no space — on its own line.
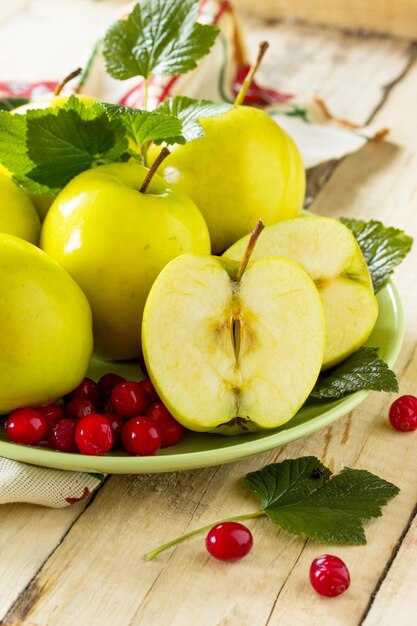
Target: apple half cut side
(328,251)
(228,356)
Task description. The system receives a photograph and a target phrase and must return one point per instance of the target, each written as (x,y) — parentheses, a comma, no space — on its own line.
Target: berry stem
(66,80)
(237,518)
(263,47)
(249,249)
(161,156)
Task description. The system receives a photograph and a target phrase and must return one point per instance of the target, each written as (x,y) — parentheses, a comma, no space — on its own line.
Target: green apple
(228,356)
(331,255)
(42,201)
(17,214)
(244,168)
(46,328)
(114,240)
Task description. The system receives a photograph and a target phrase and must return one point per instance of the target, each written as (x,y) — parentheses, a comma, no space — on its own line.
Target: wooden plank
(396,599)
(396,18)
(28,534)
(271,586)
(52,37)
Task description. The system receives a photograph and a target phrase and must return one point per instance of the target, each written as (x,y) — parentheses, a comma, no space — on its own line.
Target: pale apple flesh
(330,254)
(230,357)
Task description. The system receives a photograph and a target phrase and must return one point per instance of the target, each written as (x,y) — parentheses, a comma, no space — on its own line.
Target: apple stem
(152,170)
(249,249)
(66,80)
(263,47)
(150,555)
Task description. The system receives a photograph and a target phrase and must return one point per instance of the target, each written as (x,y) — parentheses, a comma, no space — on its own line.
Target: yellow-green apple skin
(46,334)
(18,216)
(245,168)
(331,255)
(42,201)
(114,240)
(228,357)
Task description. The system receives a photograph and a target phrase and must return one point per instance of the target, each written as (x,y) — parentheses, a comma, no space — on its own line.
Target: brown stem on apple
(263,47)
(152,170)
(249,249)
(66,80)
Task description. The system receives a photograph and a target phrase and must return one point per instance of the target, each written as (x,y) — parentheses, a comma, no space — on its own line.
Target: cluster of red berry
(95,418)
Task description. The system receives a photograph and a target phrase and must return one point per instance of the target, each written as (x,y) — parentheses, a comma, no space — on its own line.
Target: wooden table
(84,564)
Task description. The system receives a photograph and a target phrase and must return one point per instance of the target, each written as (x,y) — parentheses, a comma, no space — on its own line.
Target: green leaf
(63,142)
(383,247)
(142,126)
(329,511)
(8,104)
(158,37)
(364,369)
(189,111)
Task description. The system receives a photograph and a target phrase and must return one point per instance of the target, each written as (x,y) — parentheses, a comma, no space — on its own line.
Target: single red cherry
(108,382)
(141,436)
(329,576)
(27,426)
(54,413)
(86,389)
(79,407)
(62,436)
(94,435)
(171,431)
(129,399)
(147,385)
(403,413)
(116,424)
(229,541)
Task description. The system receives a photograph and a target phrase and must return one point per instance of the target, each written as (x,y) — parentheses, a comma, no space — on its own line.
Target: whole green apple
(46,328)
(114,240)
(245,168)
(17,214)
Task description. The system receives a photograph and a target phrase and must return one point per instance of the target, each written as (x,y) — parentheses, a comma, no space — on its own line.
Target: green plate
(201,449)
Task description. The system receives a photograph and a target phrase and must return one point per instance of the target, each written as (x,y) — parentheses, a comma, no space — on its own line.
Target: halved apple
(228,355)
(331,255)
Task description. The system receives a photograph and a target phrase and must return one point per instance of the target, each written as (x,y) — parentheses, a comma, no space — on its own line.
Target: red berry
(329,576)
(94,435)
(116,424)
(62,436)
(86,389)
(26,426)
(53,413)
(229,541)
(108,382)
(147,385)
(129,399)
(403,413)
(79,407)
(171,431)
(141,436)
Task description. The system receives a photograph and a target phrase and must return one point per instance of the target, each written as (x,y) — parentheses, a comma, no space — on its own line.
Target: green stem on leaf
(150,555)
(66,80)
(263,47)
(249,249)
(161,156)
(145,93)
